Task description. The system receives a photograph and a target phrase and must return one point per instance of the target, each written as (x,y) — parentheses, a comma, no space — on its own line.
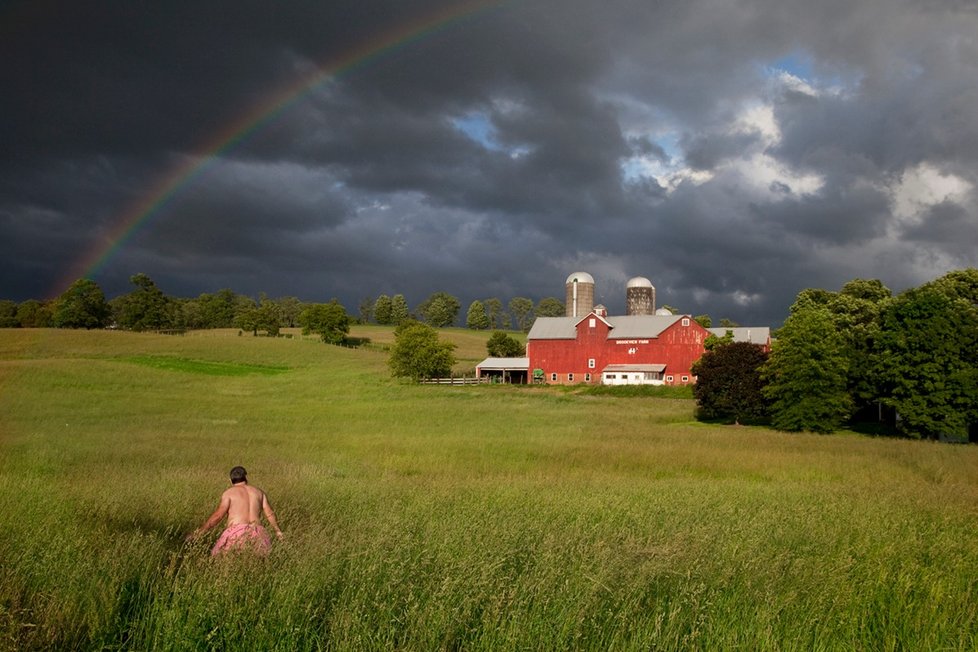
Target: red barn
(631,349)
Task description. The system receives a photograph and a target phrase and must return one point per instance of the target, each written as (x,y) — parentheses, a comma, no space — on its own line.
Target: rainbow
(151,203)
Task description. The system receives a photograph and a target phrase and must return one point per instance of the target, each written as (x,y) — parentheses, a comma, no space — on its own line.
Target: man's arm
(215,518)
(270,515)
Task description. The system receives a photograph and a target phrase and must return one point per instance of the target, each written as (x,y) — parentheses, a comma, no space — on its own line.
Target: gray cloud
(733,152)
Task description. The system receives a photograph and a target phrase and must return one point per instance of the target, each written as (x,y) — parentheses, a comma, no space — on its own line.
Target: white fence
(461,380)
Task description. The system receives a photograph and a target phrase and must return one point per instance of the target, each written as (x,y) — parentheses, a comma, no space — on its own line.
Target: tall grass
(424,517)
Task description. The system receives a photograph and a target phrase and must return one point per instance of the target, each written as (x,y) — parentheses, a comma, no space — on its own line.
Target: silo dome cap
(580,277)
(663,312)
(639,282)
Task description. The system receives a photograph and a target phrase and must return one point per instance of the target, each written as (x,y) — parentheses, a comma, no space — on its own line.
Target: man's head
(238,475)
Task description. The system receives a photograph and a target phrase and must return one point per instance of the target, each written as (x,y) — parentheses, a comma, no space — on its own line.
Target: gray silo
(580,294)
(639,297)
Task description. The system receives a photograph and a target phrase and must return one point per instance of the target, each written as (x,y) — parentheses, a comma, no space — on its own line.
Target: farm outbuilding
(505,370)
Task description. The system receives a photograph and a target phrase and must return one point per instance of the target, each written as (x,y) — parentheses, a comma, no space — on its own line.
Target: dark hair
(238,474)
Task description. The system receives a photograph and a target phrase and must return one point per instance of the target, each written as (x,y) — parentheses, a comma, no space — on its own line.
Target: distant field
(470,345)
(462,518)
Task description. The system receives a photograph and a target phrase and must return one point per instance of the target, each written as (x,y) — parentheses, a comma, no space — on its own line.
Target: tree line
(147,307)
(859,357)
(442,309)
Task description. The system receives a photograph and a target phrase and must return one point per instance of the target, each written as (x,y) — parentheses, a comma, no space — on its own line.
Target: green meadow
(450,518)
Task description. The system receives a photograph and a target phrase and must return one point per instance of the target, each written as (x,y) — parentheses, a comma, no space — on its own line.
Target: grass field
(451,518)
(470,346)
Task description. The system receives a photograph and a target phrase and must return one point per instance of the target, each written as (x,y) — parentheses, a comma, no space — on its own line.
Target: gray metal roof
(752,334)
(554,328)
(636,326)
(622,327)
(504,363)
(619,368)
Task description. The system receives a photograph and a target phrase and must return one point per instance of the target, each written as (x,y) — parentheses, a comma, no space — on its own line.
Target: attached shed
(633,374)
(759,335)
(504,370)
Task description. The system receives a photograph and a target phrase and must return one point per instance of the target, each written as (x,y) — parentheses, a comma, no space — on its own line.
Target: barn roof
(622,327)
(554,328)
(636,326)
(752,334)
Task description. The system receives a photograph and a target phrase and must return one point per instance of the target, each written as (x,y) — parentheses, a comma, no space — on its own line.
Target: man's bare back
(243,505)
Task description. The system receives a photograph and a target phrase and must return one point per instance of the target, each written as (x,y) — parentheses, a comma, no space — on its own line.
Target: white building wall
(631,378)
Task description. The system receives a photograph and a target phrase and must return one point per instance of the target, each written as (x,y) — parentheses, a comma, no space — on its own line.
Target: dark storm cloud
(947,227)
(706,151)
(733,152)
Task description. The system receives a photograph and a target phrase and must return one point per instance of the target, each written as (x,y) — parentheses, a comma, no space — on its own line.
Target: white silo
(580,294)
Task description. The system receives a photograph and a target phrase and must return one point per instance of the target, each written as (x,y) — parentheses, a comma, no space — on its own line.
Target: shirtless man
(243,506)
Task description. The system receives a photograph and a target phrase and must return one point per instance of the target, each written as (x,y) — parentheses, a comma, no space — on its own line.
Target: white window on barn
(570,378)
(685,321)
(553,377)
(587,378)
(590,363)
(668,379)
(592,322)
(685,379)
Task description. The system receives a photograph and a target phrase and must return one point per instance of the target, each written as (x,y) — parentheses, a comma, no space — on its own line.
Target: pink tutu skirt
(243,536)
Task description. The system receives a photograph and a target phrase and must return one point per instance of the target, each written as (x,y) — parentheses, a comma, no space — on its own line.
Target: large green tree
(382,310)
(218,310)
(418,353)
(366,309)
(522,310)
(264,316)
(855,311)
(329,320)
(290,308)
(728,382)
(928,348)
(959,284)
(82,305)
(476,318)
(439,310)
(34,314)
(807,373)
(145,307)
(494,308)
(399,310)
(503,345)
(8,314)
(550,307)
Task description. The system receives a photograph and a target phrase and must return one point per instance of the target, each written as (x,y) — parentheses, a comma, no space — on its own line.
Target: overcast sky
(732,151)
